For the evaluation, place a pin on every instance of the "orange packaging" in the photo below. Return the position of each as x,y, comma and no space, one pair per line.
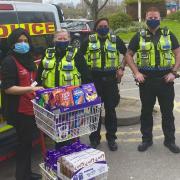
56,96
71,88
66,99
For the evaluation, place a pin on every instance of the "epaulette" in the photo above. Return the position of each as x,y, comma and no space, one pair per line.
165,31
93,38
70,54
50,53
112,38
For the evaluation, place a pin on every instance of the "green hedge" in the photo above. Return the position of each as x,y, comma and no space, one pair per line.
144,1
119,20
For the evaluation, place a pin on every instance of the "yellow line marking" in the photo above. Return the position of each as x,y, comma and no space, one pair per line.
121,139
130,89
137,132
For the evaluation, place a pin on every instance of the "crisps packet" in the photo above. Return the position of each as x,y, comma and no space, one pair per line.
66,99
78,96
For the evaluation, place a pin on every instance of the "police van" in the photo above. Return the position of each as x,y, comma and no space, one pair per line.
40,20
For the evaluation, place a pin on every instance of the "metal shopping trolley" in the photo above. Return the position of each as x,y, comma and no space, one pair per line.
50,175
67,123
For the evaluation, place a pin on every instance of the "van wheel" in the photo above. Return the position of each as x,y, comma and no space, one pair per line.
76,43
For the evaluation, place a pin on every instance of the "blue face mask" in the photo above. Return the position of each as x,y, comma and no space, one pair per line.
103,31
62,44
153,23
21,47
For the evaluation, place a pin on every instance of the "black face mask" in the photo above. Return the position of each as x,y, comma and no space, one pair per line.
153,23
62,44
103,31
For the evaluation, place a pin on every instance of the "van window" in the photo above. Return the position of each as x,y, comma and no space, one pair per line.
43,23
8,18
41,41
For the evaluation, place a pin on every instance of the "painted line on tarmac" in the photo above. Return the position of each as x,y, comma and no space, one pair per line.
177,106
130,89
131,132
132,140
137,132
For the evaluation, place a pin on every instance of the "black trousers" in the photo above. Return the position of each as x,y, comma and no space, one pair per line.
25,128
109,92
152,88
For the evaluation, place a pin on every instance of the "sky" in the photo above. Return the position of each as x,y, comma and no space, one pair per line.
63,1
66,1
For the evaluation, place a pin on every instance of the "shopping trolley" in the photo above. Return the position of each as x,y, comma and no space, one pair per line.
50,175
68,123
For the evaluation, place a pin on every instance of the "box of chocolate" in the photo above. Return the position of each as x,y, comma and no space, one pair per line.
87,164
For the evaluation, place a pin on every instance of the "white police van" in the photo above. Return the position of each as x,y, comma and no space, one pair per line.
40,20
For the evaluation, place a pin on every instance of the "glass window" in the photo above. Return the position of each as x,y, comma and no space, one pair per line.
8,18
40,42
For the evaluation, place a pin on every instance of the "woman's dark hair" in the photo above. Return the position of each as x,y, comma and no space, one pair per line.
14,36
98,21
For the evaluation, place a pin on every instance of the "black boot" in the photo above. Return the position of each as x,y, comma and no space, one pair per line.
94,143
144,146
172,147
112,145
35,176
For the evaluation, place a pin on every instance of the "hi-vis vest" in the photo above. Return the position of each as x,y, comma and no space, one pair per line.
146,56
93,55
68,73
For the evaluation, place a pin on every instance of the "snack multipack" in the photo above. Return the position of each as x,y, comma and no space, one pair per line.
66,96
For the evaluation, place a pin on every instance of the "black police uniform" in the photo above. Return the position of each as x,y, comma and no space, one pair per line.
107,88
155,86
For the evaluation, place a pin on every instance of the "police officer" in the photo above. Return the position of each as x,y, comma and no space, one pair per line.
158,59
102,51
62,65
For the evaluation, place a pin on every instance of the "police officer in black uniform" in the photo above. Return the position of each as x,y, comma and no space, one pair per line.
158,59
102,51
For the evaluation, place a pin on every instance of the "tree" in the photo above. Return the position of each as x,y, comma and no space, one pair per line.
94,7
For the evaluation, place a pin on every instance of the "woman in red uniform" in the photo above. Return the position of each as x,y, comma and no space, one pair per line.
18,74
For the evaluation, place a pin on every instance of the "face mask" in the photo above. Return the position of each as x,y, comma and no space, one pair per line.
153,23
103,31
62,44
21,47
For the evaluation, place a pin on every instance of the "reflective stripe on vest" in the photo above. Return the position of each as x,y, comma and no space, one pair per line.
146,56
68,73
93,55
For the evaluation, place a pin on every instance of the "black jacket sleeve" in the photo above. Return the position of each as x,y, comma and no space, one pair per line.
39,74
83,69
175,43
84,46
9,73
134,43
120,46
